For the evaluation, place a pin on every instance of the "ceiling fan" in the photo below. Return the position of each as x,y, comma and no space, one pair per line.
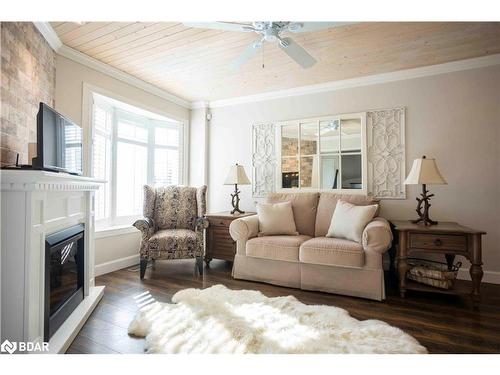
271,32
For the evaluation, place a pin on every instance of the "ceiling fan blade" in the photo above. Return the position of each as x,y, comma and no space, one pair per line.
247,54
305,27
224,26
297,53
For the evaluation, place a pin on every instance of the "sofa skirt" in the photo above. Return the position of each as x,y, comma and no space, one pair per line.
269,271
356,282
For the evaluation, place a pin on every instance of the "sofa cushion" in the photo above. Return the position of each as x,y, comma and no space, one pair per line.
276,219
332,251
349,220
326,206
276,247
304,206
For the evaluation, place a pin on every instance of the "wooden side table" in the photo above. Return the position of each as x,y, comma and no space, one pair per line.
220,245
449,239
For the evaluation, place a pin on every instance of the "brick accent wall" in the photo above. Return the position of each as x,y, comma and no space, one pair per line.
28,77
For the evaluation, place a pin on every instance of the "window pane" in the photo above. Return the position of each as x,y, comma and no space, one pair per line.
350,135
308,139
102,120
330,171
101,170
289,141
166,136
131,176
351,172
166,167
308,172
289,172
131,131
330,135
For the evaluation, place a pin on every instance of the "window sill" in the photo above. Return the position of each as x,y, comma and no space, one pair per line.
116,230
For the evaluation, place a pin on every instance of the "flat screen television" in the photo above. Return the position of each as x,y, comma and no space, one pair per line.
59,142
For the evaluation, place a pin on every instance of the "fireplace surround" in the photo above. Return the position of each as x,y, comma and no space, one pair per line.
40,211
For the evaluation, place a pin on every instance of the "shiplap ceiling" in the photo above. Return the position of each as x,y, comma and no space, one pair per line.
195,63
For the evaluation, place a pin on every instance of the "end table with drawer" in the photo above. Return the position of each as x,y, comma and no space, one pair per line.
220,245
447,238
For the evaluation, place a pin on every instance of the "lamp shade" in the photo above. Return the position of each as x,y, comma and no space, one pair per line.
425,171
237,175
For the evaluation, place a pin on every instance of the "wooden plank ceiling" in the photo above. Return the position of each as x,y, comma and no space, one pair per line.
195,63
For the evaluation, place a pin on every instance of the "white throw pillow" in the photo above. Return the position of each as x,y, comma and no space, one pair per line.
349,221
276,218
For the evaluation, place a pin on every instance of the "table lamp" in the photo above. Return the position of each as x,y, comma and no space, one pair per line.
424,171
236,176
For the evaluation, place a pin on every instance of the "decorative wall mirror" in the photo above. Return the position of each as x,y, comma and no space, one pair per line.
322,153
358,153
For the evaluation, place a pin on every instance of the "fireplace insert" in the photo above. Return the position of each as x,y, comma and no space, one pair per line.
64,269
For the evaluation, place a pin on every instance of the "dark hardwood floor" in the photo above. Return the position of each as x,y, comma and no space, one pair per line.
442,323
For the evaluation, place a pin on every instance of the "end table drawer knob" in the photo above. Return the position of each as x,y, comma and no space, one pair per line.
438,242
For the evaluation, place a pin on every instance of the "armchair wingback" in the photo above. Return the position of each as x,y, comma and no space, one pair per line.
173,224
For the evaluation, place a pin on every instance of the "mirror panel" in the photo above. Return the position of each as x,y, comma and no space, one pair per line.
351,172
351,134
289,156
330,171
330,136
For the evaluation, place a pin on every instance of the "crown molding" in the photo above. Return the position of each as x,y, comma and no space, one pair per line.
49,34
425,71
199,104
120,75
61,49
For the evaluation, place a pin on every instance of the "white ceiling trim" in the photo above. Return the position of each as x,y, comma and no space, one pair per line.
425,71
51,36
95,64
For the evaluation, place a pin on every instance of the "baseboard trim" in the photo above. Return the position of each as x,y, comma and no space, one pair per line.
492,277
115,265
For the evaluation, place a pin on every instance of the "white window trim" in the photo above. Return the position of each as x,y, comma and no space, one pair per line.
364,158
88,136
87,101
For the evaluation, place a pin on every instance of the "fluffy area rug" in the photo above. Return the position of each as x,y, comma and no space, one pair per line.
220,320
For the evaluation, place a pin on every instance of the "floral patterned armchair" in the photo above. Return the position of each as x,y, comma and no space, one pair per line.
173,224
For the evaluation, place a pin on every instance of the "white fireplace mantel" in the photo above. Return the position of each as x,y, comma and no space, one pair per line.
34,205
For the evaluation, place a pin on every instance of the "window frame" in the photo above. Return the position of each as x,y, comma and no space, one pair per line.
113,220
318,120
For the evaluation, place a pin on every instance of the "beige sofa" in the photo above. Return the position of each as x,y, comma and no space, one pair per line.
310,260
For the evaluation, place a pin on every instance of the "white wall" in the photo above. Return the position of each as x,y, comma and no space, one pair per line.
453,117
118,251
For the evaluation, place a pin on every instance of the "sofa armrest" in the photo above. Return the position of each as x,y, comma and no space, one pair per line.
146,226
242,229
377,236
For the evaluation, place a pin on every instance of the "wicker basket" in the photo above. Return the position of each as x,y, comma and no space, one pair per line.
432,273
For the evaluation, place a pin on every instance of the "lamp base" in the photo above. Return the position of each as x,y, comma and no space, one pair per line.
424,221
423,212
235,201
237,211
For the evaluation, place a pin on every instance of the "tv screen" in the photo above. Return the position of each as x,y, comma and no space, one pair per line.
59,142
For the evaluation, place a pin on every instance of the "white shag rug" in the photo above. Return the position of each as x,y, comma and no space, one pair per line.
220,320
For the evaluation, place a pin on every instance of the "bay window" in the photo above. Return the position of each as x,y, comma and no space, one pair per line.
131,147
